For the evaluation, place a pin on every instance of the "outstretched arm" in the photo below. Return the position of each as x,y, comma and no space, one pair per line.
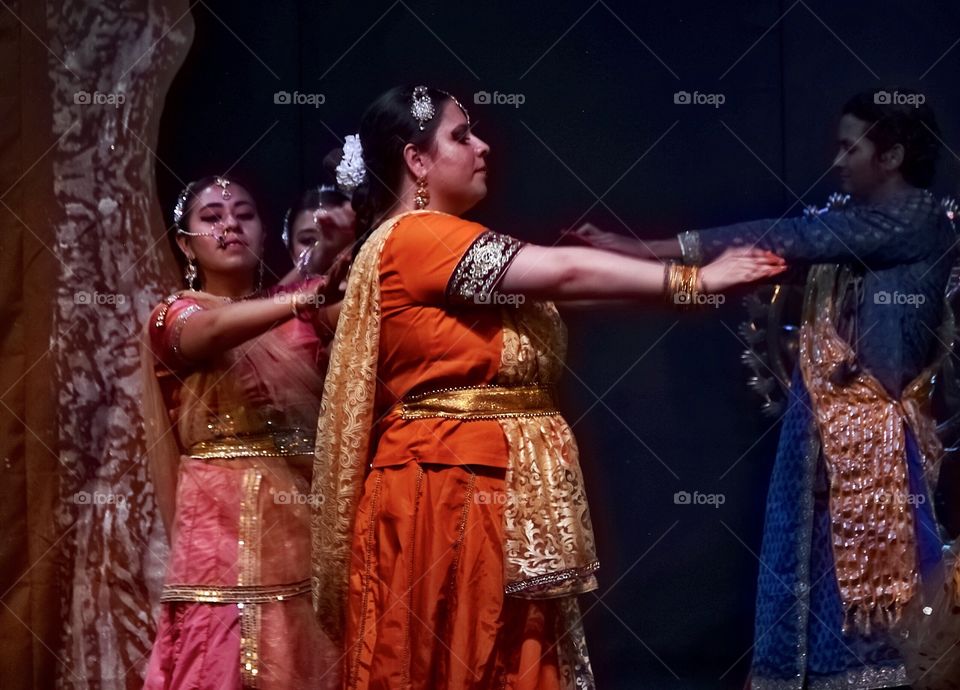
869,235
573,273
208,332
657,250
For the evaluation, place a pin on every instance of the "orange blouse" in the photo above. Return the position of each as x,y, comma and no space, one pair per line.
438,330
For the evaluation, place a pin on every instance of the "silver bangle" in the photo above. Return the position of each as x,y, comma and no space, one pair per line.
690,248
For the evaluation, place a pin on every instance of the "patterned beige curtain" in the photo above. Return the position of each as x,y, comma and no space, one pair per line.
84,257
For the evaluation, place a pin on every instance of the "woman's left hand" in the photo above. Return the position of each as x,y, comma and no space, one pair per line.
740,265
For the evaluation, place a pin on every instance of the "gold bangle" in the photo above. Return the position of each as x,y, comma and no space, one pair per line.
666,279
297,296
293,304
691,286
682,285
674,281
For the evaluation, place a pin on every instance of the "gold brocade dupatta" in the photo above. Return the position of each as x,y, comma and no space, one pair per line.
550,549
162,451
549,546
862,429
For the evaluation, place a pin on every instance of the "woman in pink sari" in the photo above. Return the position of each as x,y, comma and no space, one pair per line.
233,378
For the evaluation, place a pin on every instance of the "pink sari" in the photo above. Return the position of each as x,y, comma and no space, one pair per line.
231,449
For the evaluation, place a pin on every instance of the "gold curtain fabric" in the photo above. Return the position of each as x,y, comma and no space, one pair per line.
84,259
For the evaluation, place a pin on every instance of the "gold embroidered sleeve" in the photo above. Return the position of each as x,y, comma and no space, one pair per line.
168,322
482,267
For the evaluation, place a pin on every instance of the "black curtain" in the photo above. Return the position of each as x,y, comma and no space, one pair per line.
583,105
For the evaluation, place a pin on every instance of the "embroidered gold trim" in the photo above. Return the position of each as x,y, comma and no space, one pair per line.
482,267
579,579
249,557
279,443
248,544
480,402
461,531
162,314
253,594
177,327
249,645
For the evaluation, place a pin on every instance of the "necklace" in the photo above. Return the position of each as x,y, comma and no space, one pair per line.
249,295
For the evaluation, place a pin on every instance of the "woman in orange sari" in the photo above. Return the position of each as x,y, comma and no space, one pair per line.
451,530
232,381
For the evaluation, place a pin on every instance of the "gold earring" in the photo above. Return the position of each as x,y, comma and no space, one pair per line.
422,197
191,273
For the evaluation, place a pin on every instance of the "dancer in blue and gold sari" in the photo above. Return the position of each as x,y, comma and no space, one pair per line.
851,542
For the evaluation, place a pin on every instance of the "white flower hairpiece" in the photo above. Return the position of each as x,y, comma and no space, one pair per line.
351,172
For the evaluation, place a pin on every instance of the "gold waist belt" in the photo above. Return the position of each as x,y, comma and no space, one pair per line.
276,443
251,594
480,402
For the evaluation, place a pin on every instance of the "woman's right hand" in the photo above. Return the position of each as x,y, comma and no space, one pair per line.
740,265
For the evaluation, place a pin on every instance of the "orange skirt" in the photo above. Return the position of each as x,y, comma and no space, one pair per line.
426,607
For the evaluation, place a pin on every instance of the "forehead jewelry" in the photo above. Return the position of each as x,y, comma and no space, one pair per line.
223,183
459,105
422,108
181,206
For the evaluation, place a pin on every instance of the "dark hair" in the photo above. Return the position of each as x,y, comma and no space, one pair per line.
901,116
309,200
386,128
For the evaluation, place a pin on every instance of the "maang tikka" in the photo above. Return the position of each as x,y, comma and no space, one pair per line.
422,108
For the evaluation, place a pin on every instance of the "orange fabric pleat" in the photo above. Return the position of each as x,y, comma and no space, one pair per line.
426,607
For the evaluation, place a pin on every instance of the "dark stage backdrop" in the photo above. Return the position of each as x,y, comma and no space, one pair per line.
579,102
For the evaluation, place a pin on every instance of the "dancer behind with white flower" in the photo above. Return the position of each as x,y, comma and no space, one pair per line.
317,228
320,224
